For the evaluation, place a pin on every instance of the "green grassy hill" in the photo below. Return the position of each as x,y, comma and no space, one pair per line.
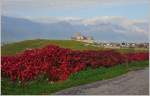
13,48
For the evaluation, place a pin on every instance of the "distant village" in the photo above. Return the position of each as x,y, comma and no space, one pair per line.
90,40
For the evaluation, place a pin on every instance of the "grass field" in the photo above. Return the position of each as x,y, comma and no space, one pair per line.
13,48
83,77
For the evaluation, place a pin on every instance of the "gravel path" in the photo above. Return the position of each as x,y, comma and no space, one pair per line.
132,83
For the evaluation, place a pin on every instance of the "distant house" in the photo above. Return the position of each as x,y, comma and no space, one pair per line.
79,37
124,44
111,45
132,45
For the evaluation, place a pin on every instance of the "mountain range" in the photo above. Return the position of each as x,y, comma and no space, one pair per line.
100,28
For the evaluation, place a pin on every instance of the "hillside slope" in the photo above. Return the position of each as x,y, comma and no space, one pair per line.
13,48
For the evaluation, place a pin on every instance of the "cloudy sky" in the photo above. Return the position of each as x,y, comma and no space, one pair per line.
135,9
131,15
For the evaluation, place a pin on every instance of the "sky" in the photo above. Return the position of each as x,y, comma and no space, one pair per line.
133,9
126,19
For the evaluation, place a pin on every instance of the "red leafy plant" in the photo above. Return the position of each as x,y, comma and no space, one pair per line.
59,63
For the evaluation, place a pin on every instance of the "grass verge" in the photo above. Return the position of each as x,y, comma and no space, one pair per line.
83,77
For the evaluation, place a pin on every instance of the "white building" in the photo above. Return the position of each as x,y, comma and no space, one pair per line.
79,37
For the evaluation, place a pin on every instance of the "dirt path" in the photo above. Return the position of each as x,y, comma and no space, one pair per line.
133,83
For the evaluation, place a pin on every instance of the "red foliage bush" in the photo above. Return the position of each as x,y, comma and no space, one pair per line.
58,63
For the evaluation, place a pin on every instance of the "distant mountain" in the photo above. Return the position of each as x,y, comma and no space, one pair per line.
16,29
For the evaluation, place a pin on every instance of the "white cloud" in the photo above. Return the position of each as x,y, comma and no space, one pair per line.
126,26
103,19
50,19
121,25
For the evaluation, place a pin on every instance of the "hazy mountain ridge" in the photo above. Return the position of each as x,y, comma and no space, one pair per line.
105,29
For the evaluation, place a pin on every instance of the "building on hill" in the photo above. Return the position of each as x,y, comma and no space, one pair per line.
79,37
